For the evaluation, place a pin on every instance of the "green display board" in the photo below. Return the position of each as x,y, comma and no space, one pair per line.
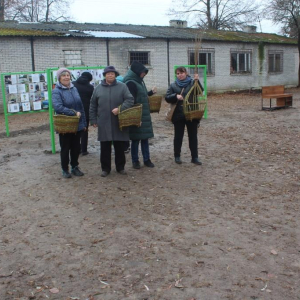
201,70
23,93
30,92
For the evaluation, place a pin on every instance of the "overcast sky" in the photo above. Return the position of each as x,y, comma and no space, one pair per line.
143,12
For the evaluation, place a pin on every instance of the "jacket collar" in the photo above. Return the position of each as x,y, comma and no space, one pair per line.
103,82
59,85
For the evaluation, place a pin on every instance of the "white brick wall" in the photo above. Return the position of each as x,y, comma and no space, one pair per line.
15,55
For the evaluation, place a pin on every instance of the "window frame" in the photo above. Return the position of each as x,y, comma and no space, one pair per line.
69,57
247,61
141,61
274,53
210,67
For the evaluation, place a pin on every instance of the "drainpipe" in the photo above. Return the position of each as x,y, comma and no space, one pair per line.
32,54
107,51
168,60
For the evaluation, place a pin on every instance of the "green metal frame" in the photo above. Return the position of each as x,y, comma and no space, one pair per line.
204,82
49,73
6,113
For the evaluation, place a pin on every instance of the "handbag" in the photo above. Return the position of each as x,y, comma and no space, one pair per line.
170,112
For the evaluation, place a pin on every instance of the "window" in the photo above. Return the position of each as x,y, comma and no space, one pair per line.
240,61
72,58
140,56
275,61
206,57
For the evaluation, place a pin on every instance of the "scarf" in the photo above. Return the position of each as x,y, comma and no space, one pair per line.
184,83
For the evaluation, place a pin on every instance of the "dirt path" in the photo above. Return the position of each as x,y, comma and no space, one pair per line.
229,229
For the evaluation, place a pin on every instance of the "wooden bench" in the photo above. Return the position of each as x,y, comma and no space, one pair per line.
283,100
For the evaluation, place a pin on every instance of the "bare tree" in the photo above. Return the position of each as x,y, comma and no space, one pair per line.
1,10
287,13
216,14
36,10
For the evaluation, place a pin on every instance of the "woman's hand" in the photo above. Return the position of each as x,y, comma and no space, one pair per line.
95,125
179,97
196,76
115,111
78,114
154,90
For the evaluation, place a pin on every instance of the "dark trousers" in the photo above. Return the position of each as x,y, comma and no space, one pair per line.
105,155
192,129
127,145
135,150
70,149
84,140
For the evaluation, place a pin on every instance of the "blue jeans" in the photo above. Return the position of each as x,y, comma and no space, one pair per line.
135,150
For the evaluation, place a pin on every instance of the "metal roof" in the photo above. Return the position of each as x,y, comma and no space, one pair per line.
9,28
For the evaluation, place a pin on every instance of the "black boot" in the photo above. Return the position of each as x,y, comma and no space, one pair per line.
196,161
178,160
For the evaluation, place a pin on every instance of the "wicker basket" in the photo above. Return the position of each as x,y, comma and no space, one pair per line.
193,106
195,114
155,103
65,124
131,116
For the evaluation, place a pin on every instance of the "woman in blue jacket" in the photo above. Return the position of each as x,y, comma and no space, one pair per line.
66,100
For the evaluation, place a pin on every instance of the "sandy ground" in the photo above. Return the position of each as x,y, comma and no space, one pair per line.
229,229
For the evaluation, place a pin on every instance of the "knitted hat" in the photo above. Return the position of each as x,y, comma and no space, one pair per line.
60,71
87,75
110,69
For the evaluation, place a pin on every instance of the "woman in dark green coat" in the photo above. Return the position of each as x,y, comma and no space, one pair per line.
134,81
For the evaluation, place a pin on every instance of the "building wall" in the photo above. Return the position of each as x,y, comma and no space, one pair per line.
49,52
15,56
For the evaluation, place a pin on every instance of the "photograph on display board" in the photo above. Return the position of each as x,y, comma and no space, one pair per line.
38,96
37,105
14,79
34,78
31,97
14,98
32,87
13,107
25,106
12,89
23,79
54,77
97,76
24,97
43,77
75,74
37,87
22,88
7,79
45,94
43,86
45,104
